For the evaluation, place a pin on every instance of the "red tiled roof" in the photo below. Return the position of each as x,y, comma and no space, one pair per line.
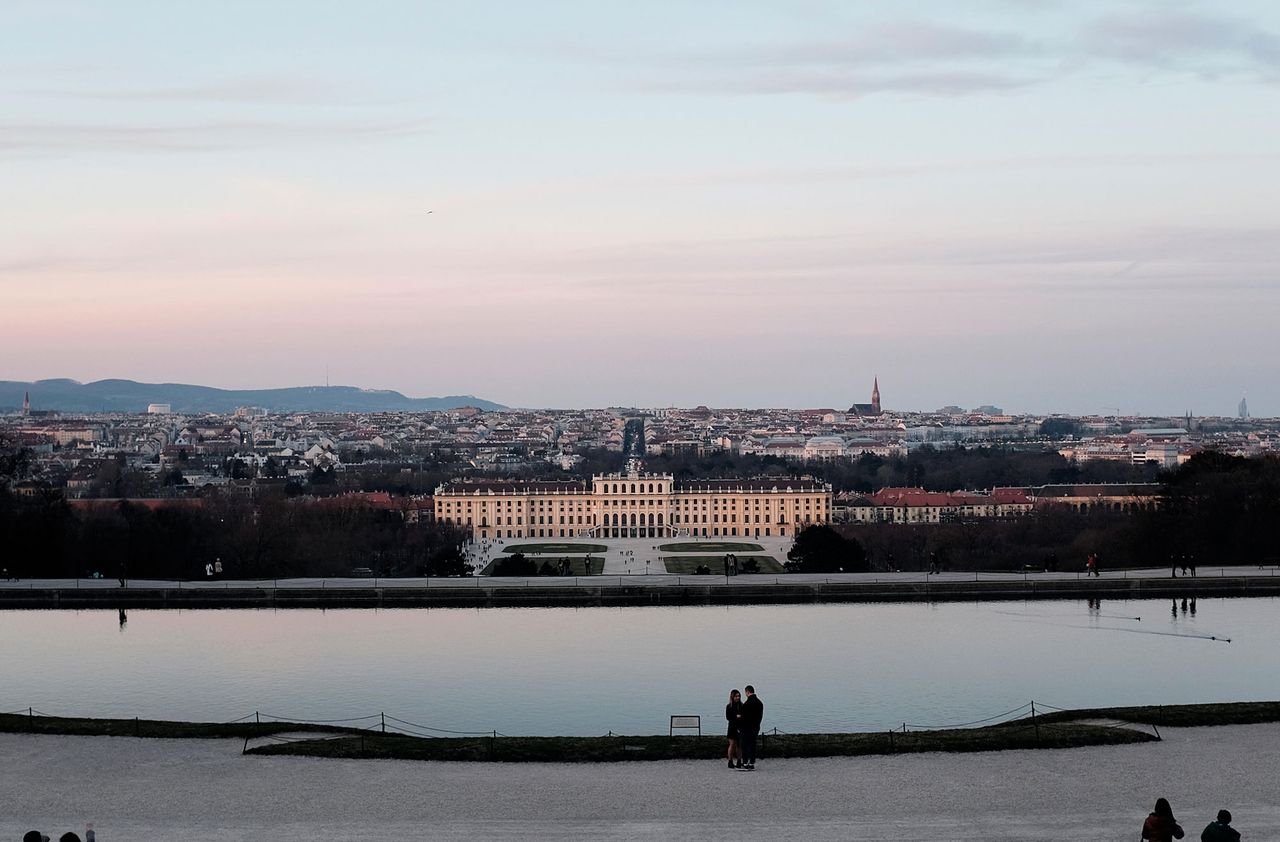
151,503
728,486
501,487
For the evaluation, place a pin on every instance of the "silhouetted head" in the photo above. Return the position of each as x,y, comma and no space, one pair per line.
751,691
34,836
69,837
1224,817
735,696
1163,808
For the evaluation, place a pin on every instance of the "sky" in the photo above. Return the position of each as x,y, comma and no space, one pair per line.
1047,206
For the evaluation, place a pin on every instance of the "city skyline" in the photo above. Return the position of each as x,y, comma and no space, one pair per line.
244,397
1049,207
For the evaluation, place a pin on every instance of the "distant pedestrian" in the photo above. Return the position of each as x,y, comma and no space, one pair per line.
733,714
208,570
1220,830
1160,825
1091,565
749,729
726,565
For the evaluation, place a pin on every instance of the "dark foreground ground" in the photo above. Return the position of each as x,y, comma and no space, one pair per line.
140,789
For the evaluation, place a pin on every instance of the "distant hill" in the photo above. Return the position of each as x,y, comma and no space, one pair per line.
130,396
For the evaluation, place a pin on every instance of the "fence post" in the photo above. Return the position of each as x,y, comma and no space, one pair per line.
257,717
137,727
31,718
1034,721
384,722
891,741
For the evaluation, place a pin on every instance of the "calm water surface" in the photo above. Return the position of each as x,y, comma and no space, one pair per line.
589,671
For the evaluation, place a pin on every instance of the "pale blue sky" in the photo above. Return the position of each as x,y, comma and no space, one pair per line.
1044,205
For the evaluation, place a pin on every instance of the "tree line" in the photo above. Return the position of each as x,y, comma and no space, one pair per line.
933,468
1214,510
45,537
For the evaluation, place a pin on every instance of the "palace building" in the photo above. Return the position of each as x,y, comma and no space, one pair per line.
634,506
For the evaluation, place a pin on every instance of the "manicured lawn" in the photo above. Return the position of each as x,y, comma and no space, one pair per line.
685,565
555,549
710,547
577,563
1057,730
1020,735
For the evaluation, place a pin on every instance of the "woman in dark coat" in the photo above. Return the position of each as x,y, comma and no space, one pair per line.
733,713
1160,826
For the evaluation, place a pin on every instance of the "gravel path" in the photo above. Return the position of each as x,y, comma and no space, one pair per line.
166,789
618,565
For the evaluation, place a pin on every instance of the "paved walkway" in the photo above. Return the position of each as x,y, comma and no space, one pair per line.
633,573
169,789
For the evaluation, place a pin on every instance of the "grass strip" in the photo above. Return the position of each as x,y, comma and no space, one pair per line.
710,547
554,549
614,749
687,565
577,566
1178,716
15,723
1059,729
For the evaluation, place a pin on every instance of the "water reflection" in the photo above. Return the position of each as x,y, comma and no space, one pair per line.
589,671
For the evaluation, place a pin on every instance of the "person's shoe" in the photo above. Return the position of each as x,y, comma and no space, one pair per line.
730,764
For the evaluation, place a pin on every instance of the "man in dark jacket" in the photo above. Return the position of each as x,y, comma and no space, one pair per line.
1221,830
749,729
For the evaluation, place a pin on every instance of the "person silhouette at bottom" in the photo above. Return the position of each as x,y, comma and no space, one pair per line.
1161,826
1220,830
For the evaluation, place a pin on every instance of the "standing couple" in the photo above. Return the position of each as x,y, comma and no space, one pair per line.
744,726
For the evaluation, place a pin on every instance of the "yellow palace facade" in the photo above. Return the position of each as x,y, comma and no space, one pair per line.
634,506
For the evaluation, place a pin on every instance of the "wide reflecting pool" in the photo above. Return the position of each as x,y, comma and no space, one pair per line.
589,671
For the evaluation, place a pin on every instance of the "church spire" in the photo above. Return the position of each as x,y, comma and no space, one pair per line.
26,403
875,396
